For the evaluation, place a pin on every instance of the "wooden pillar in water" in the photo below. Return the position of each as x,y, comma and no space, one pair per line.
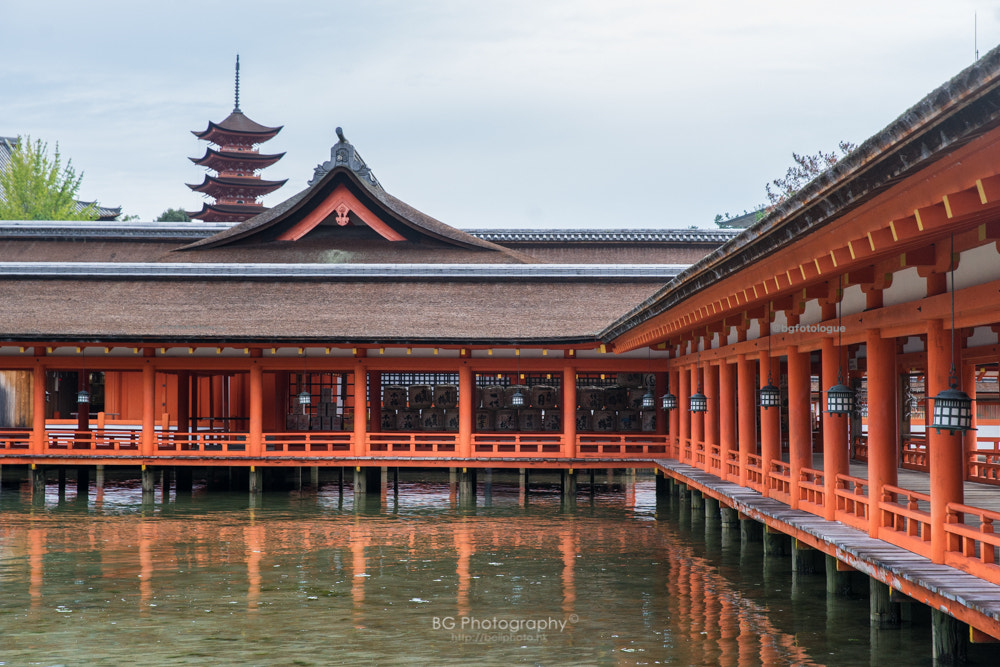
883,611
36,475
950,639
568,487
467,487
256,480
838,578
82,482
751,530
148,481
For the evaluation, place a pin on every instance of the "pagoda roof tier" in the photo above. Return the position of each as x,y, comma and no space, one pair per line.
237,128
226,212
232,186
233,160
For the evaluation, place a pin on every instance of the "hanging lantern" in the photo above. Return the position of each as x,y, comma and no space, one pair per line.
648,400
304,399
699,402
668,402
839,399
952,410
770,396
517,400
83,396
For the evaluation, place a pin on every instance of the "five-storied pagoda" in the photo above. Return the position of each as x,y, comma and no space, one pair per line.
237,185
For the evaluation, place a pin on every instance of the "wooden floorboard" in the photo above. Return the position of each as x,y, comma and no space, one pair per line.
951,583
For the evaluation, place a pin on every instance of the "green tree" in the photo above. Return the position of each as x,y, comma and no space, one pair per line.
37,187
805,169
173,215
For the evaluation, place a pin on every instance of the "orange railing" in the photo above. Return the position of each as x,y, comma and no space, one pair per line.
906,519
638,445
984,463
14,439
853,507
969,548
779,480
755,473
412,444
915,454
812,497
101,440
715,460
733,465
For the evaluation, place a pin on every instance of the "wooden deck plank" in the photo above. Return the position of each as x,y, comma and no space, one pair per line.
948,582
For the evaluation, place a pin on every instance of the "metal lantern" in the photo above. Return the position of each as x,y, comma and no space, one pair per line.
839,399
699,402
83,396
952,410
305,399
770,396
517,400
648,400
668,401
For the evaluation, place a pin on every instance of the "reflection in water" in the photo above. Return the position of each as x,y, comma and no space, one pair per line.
310,579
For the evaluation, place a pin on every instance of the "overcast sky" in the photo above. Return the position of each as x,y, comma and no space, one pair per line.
516,114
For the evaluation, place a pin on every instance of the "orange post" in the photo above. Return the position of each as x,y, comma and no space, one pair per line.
881,422
38,408
256,435
747,416
569,411
675,414
466,409
799,428
659,390
697,418
835,431
944,449
360,447
684,392
148,440
969,387
712,416
727,413
770,423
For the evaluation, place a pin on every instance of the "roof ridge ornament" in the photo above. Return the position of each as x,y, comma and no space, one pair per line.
343,154
236,108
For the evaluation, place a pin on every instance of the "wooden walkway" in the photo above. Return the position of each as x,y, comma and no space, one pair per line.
964,596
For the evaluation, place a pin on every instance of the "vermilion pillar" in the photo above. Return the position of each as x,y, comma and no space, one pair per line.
183,400
38,408
882,436
770,423
360,410
944,449
466,409
256,435
697,418
148,408
675,414
569,411
835,431
747,405
727,412
799,427
684,392
712,416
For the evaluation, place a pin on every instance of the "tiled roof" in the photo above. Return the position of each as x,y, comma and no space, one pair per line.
502,236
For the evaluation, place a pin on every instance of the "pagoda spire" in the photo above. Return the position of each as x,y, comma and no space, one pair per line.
236,186
236,108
